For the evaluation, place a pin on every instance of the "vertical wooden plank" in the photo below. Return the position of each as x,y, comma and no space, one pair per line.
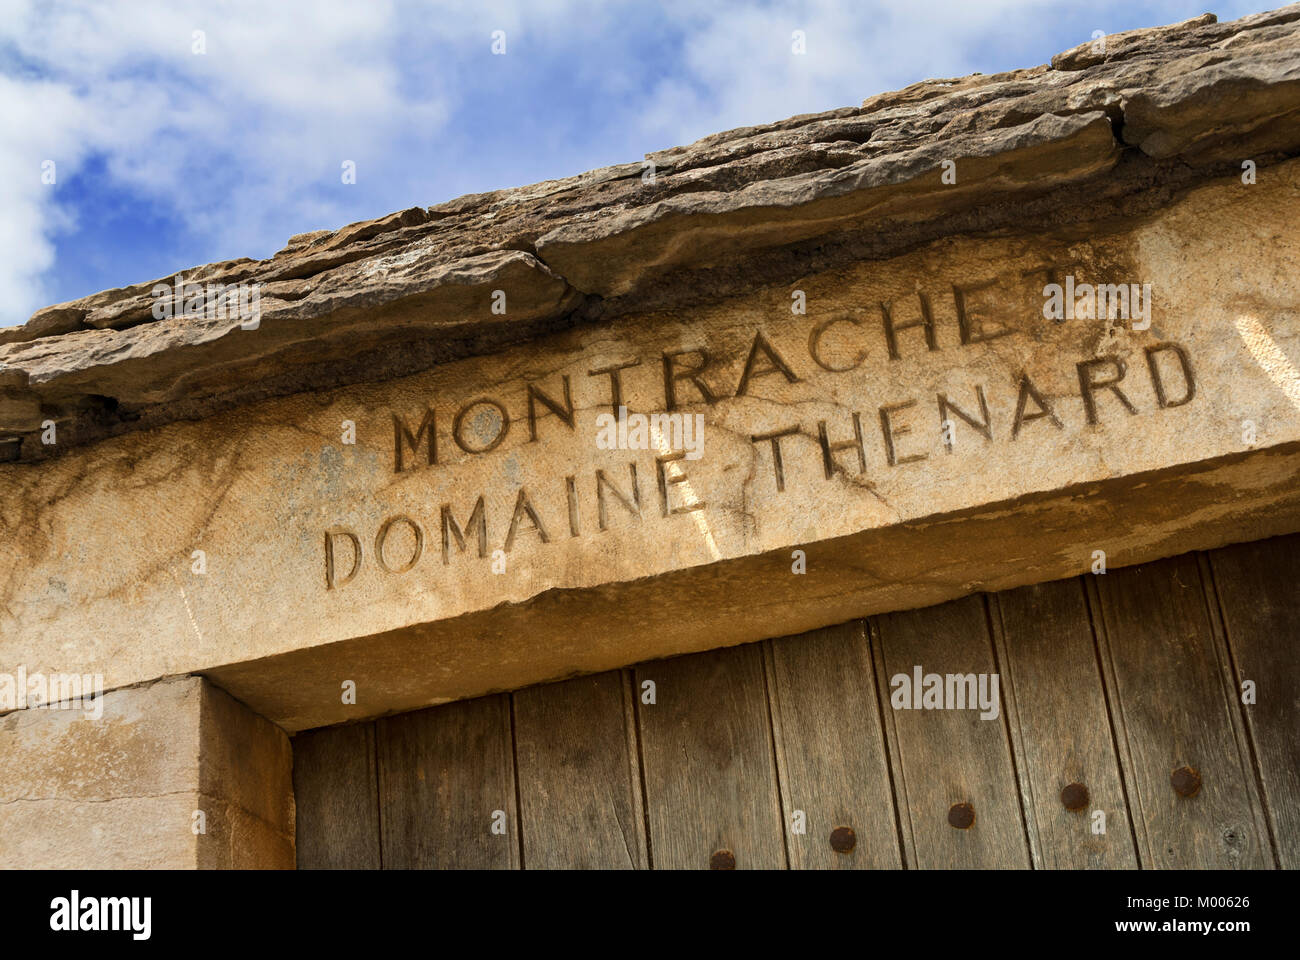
902,809
443,773
1258,588
710,777
1053,688
336,792
579,789
997,636
831,751
1169,688
951,757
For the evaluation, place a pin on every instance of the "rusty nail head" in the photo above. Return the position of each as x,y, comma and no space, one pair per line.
722,860
961,815
1074,796
1186,781
843,839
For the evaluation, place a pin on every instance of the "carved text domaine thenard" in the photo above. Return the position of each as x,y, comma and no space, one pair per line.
861,441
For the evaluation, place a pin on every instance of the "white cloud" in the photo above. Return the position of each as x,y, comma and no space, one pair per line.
283,94
741,68
45,115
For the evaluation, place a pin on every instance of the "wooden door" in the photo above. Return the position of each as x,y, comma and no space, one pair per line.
1145,718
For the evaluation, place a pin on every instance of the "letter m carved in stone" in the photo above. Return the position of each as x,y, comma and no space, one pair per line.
401,432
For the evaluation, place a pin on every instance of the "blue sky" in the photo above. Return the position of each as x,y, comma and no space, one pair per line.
165,158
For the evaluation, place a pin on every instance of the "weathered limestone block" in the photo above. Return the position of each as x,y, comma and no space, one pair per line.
920,431
119,785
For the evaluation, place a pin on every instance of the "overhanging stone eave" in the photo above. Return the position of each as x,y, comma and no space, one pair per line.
147,385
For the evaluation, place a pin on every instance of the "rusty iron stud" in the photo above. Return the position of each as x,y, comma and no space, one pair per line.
843,839
722,860
961,816
1074,797
1186,781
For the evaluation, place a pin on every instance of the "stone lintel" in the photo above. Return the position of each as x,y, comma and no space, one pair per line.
564,633
915,428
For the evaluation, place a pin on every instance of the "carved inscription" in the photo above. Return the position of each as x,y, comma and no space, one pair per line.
904,432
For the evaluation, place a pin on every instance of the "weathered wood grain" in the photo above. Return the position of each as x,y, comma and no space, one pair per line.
830,749
950,757
1175,713
1053,688
710,778
579,782
1112,682
336,792
443,774
1258,586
